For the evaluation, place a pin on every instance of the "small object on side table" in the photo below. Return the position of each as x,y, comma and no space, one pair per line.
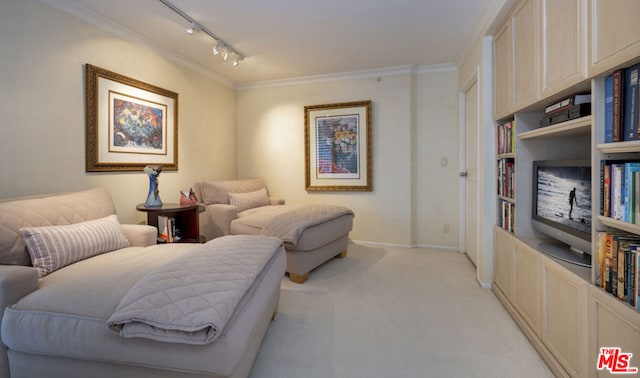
153,197
185,218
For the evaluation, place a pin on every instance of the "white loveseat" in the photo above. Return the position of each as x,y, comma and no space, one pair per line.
56,325
312,234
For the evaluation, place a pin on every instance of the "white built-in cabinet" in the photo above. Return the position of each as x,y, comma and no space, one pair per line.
614,33
539,51
544,50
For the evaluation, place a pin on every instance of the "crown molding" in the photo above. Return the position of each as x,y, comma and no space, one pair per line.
351,75
94,18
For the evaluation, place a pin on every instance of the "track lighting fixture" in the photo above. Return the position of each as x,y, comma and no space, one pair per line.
221,47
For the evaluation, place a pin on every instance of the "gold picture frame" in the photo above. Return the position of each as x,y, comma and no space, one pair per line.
129,123
338,147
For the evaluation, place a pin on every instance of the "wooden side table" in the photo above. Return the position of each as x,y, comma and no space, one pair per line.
186,218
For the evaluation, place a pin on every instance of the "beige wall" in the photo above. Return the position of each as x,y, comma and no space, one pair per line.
223,133
413,197
437,139
42,148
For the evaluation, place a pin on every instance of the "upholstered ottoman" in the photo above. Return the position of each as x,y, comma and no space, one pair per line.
312,234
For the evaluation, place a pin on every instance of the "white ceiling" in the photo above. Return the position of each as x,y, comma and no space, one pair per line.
284,39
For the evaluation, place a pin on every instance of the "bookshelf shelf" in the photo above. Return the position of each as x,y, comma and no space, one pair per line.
510,155
507,199
578,126
620,225
619,147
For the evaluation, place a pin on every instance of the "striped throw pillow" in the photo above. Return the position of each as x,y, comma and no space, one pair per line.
245,201
54,247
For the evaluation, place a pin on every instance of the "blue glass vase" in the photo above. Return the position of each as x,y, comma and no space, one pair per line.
153,198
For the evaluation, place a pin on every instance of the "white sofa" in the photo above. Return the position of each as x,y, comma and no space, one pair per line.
56,325
243,207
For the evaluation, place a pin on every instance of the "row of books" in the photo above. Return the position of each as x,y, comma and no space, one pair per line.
574,106
622,108
506,137
167,232
620,196
506,177
617,265
507,215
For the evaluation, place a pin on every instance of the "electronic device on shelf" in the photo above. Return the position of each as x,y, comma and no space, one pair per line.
562,208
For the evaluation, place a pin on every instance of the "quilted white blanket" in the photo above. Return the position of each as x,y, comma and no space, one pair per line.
289,226
191,299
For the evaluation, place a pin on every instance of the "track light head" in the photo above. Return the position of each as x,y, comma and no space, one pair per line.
225,53
217,48
194,28
237,61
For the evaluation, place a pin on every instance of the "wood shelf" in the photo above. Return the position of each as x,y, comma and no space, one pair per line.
620,147
510,155
625,226
578,126
507,199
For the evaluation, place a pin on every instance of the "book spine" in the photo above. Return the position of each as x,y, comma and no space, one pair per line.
637,282
600,241
560,104
608,109
631,103
607,190
618,102
621,271
613,267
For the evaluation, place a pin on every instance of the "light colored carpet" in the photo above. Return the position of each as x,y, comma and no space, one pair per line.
394,312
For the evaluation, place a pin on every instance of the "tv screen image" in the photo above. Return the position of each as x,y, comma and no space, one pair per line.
562,208
564,196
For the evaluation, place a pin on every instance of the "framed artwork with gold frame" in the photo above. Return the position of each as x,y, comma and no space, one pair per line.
338,147
129,123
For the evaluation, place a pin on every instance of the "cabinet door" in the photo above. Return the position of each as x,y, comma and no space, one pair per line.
504,262
528,284
525,55
563,44
614,33
502,73
612,323
564,317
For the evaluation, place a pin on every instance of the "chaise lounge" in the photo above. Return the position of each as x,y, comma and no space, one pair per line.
312,234
112,312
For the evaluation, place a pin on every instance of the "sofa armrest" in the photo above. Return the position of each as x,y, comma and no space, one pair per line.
140,235
276,201
16,281
215,221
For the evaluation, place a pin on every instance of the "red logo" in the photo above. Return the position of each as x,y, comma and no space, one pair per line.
615,361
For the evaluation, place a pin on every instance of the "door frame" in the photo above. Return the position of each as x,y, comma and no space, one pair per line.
462,157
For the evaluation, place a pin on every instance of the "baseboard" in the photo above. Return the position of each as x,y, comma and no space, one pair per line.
397,245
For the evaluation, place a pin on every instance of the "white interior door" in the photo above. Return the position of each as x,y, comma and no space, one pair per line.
469,173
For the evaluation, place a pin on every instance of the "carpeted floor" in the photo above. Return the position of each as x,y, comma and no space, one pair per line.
394,312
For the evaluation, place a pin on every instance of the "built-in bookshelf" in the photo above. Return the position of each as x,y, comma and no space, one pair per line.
616,268
505,141
566,310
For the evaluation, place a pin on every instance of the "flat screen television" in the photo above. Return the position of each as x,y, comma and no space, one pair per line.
562,208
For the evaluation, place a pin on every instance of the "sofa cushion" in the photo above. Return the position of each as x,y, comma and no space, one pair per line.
49,210
250,200
218,191
54,247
